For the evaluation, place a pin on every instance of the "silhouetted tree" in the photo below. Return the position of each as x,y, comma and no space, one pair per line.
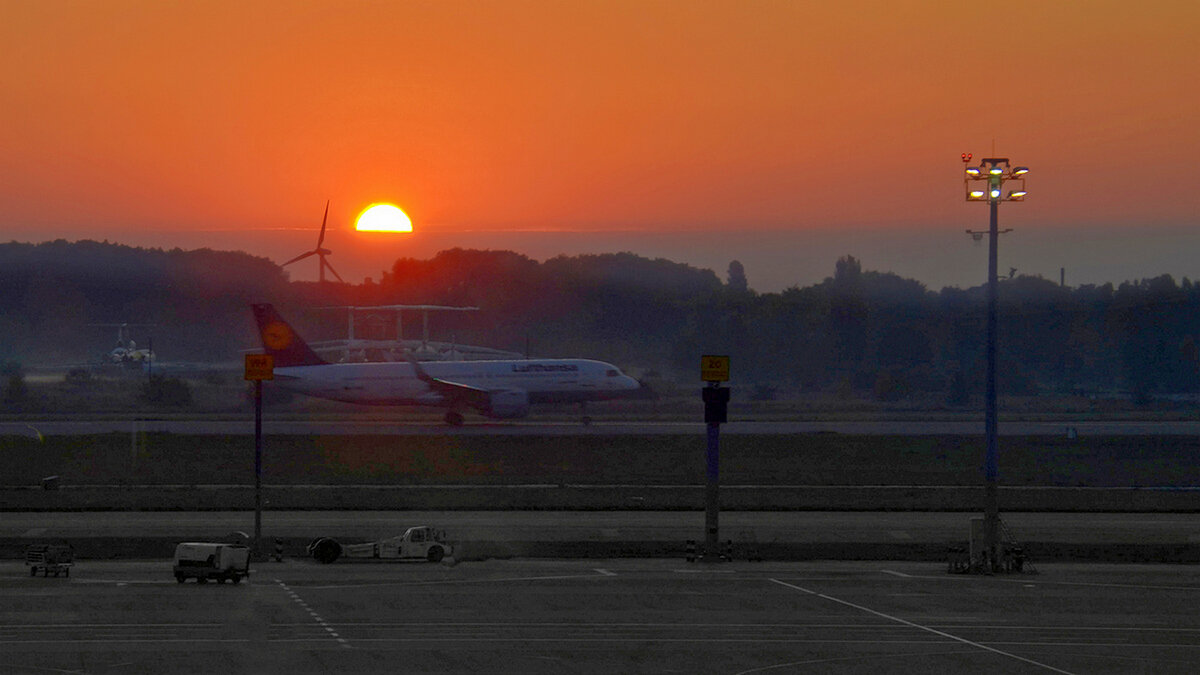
737,277
848,313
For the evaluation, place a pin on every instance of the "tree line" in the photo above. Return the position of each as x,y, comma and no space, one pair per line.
858,331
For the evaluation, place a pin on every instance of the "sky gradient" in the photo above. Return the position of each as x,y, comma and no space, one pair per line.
165,124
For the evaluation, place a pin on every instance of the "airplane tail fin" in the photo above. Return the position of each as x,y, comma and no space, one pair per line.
280,340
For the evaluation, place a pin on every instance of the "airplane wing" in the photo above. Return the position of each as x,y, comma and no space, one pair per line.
475,397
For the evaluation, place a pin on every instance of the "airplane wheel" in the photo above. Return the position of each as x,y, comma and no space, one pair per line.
180,578
202,580
435,554
454,419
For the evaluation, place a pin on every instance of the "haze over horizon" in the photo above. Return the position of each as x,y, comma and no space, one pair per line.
782,135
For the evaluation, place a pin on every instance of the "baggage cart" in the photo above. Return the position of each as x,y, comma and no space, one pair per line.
50,558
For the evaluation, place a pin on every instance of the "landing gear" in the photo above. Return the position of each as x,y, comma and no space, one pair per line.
454,419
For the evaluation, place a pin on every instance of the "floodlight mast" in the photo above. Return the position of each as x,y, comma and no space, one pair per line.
995,172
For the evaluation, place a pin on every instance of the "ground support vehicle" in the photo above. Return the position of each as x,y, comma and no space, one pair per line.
205,560
417,543
50,558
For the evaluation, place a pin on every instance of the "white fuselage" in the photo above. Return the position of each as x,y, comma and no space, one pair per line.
398,383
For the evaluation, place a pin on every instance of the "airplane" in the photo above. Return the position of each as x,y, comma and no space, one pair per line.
126,353
501,389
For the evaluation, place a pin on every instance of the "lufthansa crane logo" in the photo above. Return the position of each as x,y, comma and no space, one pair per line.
276,336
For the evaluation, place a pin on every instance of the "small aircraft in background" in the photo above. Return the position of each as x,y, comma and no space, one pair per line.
498,389
126,352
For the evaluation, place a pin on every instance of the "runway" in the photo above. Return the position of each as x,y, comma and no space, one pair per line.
374,426
602,616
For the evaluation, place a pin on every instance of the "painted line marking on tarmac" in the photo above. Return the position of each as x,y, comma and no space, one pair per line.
766,641
1099,585
1043,582
127,641
316,617
843,658
605,572
373,584
68,626
924,628
897,574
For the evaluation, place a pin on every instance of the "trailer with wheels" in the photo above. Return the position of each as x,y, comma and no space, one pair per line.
205,560
50,558
417,543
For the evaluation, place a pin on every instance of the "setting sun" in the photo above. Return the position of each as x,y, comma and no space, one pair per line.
383,218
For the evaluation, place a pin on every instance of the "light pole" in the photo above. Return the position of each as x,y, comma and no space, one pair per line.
994,172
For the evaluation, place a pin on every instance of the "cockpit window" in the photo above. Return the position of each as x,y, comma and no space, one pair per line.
612,372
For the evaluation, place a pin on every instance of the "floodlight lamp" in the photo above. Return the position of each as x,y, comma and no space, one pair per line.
1017,195
976,194
995,193
1020,171
996,170
974,171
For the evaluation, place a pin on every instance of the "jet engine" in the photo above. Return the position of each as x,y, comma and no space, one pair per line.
508,404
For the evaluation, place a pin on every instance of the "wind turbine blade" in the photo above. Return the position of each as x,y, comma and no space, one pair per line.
326,264
299,257
322,237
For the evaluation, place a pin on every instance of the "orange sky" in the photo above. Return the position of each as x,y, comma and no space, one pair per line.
641,115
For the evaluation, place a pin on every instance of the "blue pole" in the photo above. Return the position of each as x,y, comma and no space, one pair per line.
257,468
712,506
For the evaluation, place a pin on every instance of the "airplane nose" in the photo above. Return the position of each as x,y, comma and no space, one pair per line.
643,390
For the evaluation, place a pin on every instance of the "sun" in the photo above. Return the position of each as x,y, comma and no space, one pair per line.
383,218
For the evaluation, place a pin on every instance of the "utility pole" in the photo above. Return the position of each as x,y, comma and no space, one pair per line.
995,171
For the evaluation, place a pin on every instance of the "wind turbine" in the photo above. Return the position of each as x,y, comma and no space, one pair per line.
319,252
